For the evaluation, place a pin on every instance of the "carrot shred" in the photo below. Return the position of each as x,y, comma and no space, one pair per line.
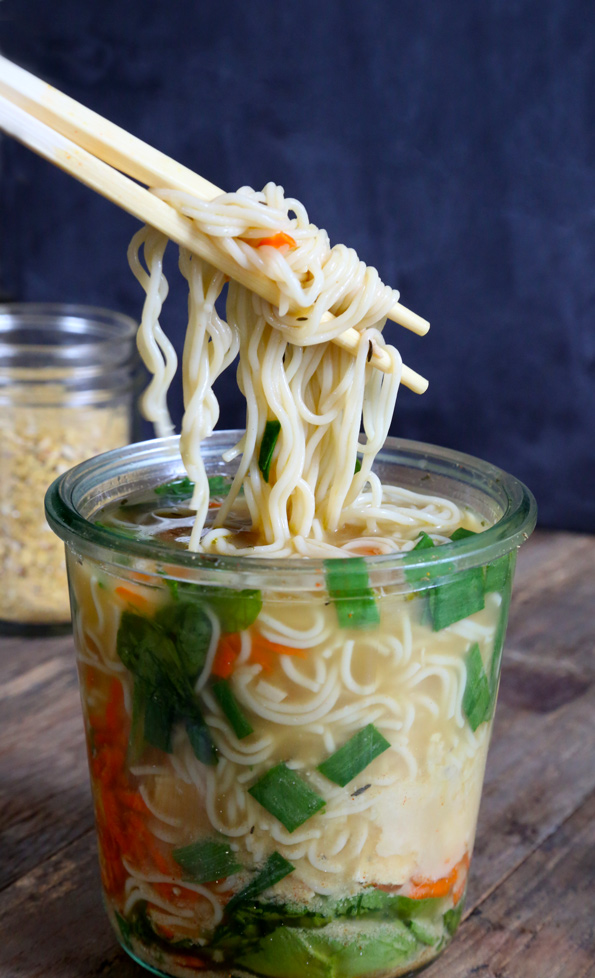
227,652
264,653
277,240
134,598
422,888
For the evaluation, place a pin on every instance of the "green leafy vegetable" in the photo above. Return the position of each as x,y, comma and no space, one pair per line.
359,751
236,610
178,489
219,485
477,699
207,860
358,466
349,588
201,741
163,691
267,447
231,708
286,796
461,533
187,624
275,869
292,954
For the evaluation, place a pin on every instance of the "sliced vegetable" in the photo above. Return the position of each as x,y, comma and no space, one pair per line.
457,598
267,447
178,489
497,574
236,610
166,692
415,574
461,533
225,657
277,240
286,796
206,860
349,588
275,869
477,699
354,756
239,723
187,624
358,466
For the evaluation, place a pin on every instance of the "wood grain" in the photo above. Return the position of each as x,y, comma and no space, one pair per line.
532,891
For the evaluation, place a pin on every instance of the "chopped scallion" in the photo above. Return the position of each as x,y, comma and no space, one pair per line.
178,489
286,796
462,533
349,589
477,699
351,759
457,598
231,708
267,447
275,869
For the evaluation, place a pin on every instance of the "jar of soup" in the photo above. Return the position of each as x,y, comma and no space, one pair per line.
68,381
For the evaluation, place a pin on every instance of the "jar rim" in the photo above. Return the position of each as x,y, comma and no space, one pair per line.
88,484
33,334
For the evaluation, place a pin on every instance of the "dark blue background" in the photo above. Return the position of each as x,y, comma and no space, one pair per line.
451,143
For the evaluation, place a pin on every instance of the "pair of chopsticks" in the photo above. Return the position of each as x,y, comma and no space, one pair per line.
105,157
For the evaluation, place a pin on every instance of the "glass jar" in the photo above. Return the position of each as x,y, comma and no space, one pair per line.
287,756
68,380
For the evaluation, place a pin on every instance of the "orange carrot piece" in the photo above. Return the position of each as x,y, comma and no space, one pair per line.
276,241
424,888
227,652
264,653
134,598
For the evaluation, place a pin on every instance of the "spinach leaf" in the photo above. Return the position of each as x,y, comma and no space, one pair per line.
236,610
163,692
187,624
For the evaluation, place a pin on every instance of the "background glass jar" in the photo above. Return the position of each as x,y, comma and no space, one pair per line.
68,381
287,756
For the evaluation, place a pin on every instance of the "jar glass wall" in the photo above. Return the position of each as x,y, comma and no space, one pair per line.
287,756
68,382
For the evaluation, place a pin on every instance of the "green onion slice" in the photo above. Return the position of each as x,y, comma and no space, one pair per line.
286,796
267,447
275,869
456,599
240,725
351,759
206,860
477,698
179,488
349,588
461,533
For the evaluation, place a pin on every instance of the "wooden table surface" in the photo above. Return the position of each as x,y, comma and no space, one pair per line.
531,905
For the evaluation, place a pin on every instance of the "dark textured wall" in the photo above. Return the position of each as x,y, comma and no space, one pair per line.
451,143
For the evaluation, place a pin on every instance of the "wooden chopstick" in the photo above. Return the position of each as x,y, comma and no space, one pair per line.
23,122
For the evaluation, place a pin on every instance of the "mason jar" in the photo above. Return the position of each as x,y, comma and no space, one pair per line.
286,755
68,381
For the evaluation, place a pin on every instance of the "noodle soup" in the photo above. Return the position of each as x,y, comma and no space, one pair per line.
287,756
